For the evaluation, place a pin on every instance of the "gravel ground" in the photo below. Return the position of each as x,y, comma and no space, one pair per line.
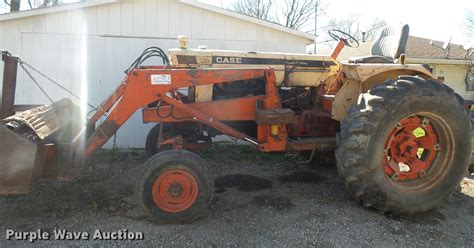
261,200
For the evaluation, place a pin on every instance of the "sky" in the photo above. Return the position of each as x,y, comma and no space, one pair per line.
435,19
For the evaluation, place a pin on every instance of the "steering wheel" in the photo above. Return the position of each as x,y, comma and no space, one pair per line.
348,39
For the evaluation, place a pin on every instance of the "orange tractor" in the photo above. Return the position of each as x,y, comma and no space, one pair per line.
399,135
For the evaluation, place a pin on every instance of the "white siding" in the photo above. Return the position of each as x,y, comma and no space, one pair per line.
112,36
2,45
454,76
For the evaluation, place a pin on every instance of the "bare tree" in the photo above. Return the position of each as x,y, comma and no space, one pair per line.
290,13
256,8
297,13
347,25
14,5
351,26
47,3
373,30
469,23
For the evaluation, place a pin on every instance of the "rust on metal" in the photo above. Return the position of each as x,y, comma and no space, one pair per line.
33,145
46,164
42,120
410,148
17,156
310,144
24,107
274,116
10,70
100,136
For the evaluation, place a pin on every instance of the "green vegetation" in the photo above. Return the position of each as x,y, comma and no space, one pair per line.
225,152
116,155
233,152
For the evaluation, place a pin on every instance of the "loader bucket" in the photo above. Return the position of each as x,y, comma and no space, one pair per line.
23,138
17,160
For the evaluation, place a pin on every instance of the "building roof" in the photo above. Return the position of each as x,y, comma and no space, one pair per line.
53,9
90,3
417,48
421,48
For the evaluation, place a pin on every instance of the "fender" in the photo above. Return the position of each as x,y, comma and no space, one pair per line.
362,77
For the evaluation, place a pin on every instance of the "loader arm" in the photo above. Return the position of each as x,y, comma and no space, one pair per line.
59,147
147,85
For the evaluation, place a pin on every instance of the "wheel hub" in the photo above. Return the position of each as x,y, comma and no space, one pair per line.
175,191
410,149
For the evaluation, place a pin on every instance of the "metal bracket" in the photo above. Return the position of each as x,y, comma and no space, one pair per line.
10,70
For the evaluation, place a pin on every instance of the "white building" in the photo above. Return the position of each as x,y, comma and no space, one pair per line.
88,45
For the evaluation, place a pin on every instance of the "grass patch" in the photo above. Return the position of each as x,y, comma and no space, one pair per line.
116,155
233,152
224,152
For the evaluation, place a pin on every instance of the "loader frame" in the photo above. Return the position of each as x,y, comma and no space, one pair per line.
151,84
139,90
8,106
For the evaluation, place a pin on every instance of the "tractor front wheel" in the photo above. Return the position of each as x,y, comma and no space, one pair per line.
405,147
175,187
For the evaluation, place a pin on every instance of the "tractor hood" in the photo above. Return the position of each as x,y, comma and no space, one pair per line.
291,69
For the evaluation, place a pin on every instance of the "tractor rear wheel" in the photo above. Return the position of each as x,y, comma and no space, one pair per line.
405,147
175,187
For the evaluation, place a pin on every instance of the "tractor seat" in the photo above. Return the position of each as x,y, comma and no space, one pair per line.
389,45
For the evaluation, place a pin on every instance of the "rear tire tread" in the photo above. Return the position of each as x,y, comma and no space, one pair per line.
356,135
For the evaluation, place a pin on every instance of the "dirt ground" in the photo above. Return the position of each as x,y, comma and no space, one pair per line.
261,200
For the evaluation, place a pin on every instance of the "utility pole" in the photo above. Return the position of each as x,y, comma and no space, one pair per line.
315,25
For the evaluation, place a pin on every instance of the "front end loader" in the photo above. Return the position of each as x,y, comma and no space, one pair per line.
36,140
398,134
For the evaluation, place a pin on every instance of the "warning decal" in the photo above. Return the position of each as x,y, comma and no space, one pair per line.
160,79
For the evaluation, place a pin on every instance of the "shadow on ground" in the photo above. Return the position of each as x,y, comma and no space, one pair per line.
261,200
